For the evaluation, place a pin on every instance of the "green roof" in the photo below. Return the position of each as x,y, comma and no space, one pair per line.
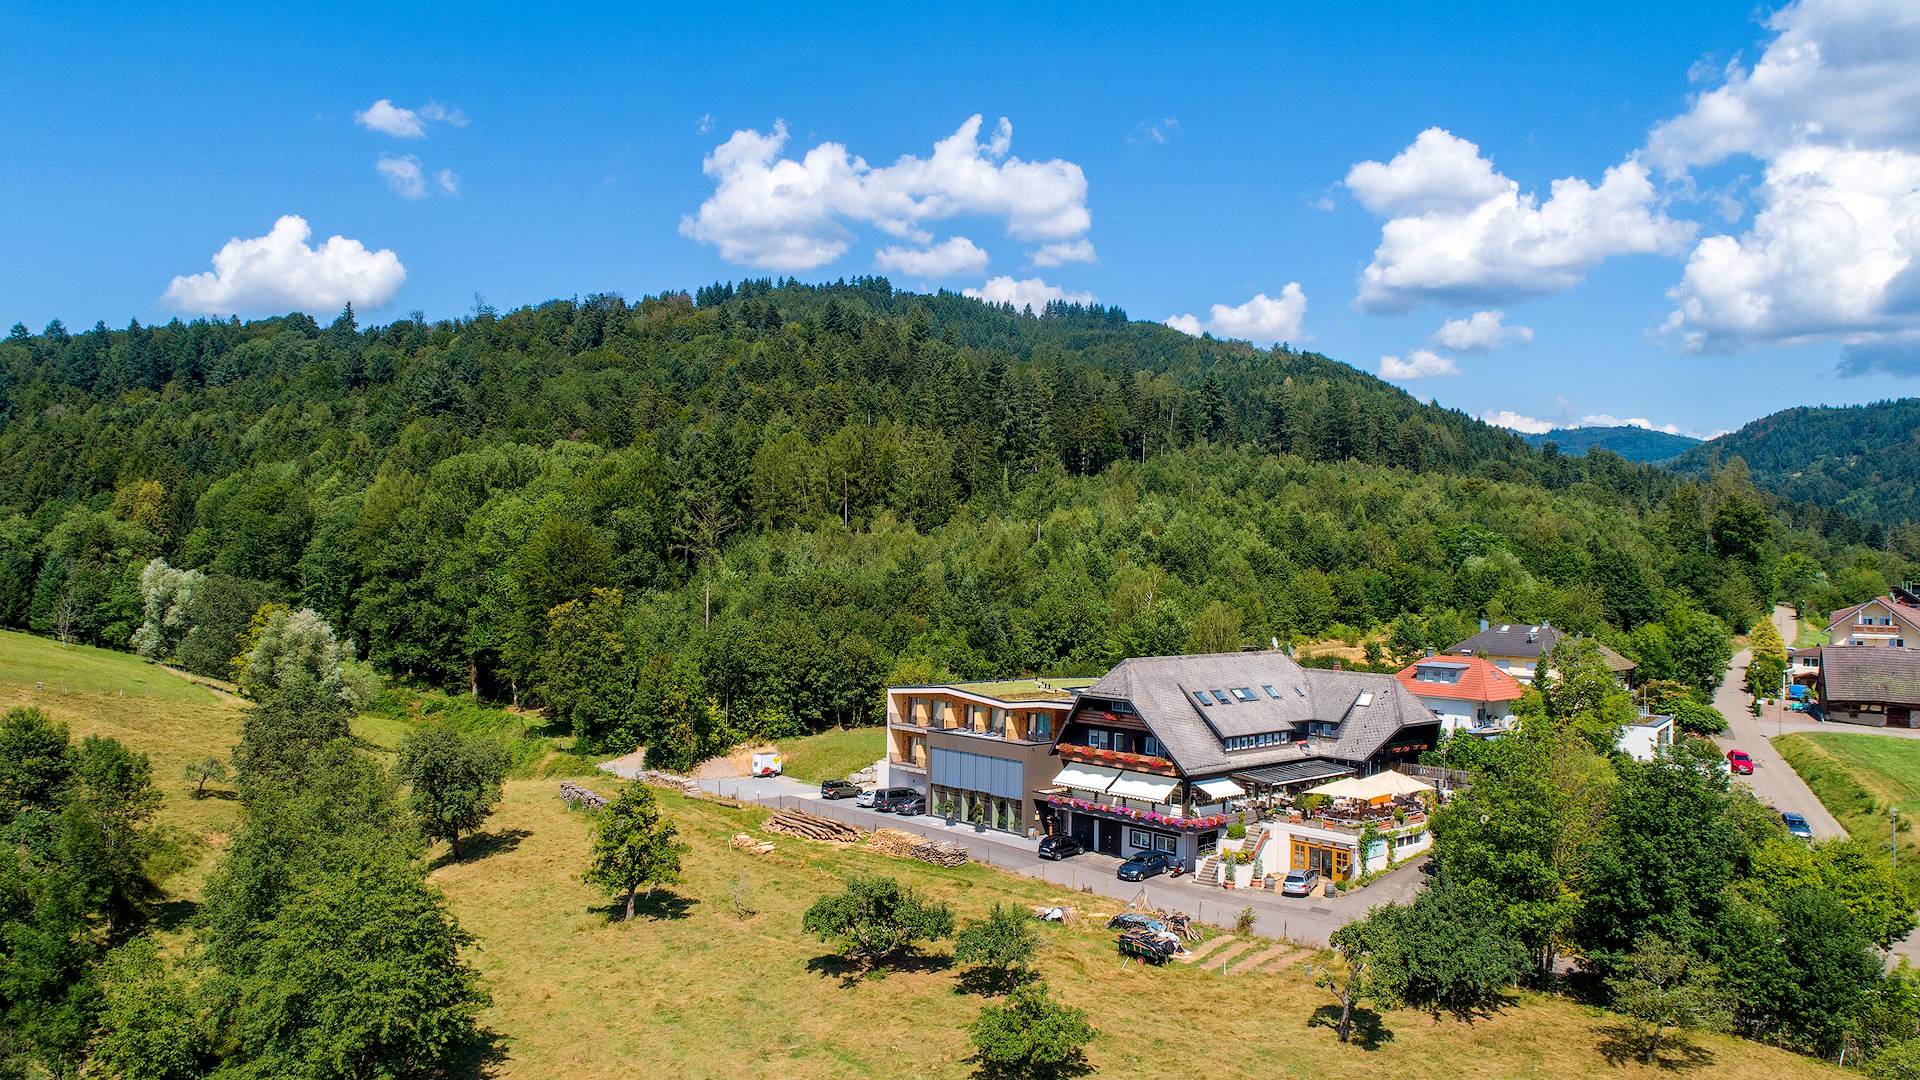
1026,689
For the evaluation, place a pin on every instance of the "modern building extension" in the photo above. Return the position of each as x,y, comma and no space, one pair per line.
978,749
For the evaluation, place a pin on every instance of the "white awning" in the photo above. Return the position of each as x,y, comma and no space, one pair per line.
1219,788
1376,788
1138,785
1085,777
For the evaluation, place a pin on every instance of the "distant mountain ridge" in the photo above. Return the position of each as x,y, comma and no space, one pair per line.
1863,460
1633,443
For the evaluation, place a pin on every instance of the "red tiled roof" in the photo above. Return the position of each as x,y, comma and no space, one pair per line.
1905,611
1481,681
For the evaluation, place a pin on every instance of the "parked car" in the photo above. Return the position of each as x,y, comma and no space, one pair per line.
1145,865
1797,825
1300,883
1059,847
884,798
866,797
839,789
1739,762
912,806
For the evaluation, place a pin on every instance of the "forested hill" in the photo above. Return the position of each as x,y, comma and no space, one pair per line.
1633,443
1863,460
775,497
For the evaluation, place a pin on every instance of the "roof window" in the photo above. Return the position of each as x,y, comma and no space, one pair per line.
1245,693
1271,692
1364,700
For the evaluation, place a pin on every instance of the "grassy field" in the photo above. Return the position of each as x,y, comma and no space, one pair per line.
1860,778
831,755
118,695
531,752
1810,634
718,979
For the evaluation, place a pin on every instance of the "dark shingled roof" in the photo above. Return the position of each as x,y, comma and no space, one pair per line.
1161,689
1870,674
1524,640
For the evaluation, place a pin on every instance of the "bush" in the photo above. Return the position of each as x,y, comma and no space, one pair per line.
1237,831
1031,1037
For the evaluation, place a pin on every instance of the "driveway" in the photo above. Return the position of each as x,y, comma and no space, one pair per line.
1308,921
1773,780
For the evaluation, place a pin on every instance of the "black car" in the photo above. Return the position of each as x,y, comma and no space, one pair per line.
911,806
1145,865
839,789
1060,847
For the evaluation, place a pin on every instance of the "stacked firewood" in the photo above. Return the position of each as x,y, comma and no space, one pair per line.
812,827
742,842
906,845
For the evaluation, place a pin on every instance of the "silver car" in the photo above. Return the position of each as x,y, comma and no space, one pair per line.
1300,883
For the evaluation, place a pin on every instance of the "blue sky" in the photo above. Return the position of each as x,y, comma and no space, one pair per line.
1215,154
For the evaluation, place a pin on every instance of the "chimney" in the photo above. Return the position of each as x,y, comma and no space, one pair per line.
1429,652
1483,626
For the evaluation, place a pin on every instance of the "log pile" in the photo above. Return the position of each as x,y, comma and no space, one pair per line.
811,827
906,845
577,796
742,842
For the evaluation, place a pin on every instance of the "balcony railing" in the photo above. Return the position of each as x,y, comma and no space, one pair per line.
1143,817
1118,759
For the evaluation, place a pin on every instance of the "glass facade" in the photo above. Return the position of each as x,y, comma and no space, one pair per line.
997,811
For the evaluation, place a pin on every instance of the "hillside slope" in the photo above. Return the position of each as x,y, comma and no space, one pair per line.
1863,460
1633,443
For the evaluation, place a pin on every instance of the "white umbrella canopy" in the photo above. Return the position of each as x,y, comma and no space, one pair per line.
1379,786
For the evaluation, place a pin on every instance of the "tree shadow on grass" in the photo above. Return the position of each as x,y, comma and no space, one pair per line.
171,915
852,971
1370,1031
1077,1065
481,1058
482,845
989,981
1467,1014
1625,1043
216,793
663,904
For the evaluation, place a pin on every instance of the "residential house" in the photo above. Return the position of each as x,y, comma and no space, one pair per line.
1519,649
1890,620
982,746
1803,666
1870,684
1467,693
1157,754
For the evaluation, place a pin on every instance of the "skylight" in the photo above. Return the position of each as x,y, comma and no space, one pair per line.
1202,695
1244,693
1365,699
1271,692
1221,697
1301,690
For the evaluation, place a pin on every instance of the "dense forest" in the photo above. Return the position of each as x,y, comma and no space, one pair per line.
747,509
1863,460
1633,443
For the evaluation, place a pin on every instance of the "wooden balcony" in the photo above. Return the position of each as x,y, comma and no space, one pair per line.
1093,755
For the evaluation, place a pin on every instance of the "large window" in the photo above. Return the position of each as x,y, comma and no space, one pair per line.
1042,725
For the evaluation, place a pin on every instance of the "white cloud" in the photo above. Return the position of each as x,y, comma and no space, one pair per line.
1462,232
280,272
1025,293
403,175
705,124
1067,251
952,258
1482,331
1844,72
1834,254
782,214
1604,420
1832,109
1419,364
1263,319
1158,132
448,180
1526,425
1438,172
404,123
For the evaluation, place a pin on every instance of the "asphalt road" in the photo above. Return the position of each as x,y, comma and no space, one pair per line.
1773,780
1305,920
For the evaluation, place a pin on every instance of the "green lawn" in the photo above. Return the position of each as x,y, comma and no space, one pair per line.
831,755
1860,778
531,751
1809,634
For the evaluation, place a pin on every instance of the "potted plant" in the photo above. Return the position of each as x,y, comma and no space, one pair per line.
979,818
952,812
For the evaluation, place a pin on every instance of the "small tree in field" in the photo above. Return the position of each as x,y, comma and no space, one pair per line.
876,918
633,846
455,779
1354,975
1663,986
1003,943
1031,1037
199,772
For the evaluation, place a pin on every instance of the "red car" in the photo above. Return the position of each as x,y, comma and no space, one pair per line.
1739,762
